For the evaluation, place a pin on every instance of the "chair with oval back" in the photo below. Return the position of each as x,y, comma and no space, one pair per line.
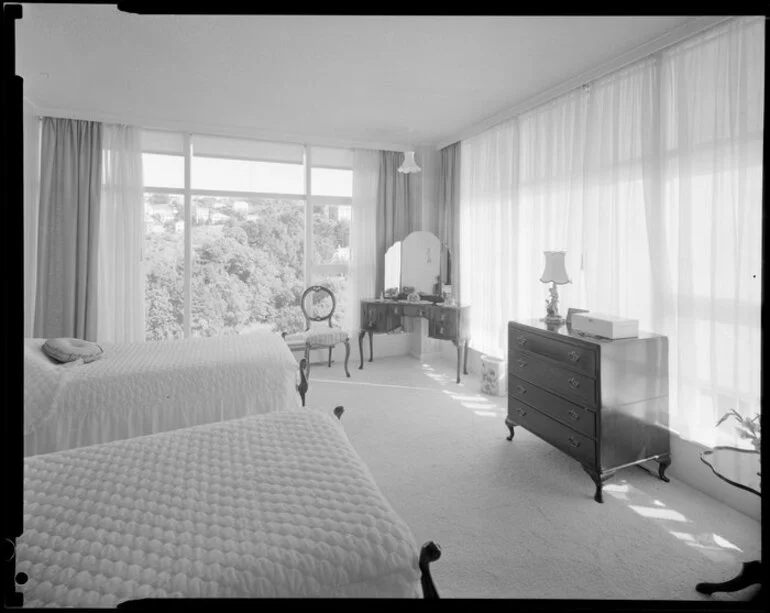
319,336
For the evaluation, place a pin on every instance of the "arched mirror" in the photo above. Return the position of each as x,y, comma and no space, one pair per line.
420,262
393,270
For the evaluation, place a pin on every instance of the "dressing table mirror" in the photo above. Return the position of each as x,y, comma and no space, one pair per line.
417,269
421,264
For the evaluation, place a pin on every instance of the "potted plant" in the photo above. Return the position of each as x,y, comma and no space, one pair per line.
748,427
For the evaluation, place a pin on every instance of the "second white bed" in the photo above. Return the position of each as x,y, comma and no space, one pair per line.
144,388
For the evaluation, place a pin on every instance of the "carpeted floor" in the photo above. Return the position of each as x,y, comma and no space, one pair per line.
517,519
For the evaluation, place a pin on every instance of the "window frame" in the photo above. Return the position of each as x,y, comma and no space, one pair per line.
311,268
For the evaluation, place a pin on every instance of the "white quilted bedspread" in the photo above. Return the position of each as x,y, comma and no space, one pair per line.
143,388
277,505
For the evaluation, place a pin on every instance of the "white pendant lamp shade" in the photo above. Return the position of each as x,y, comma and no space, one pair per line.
409,164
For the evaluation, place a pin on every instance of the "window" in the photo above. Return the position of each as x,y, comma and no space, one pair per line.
331,178
251,218
247,265
164,265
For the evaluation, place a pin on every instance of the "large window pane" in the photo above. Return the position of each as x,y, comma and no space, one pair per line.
164,265
331,234
247,176
247,265
332,182
161,170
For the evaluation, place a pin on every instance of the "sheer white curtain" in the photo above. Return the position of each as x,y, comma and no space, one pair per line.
488,216
121,280
31,202
363,238
650,179
711,115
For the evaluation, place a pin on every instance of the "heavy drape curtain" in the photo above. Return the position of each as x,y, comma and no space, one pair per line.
397,211
68,227
363,243
449,205
121,236
650,179
31,203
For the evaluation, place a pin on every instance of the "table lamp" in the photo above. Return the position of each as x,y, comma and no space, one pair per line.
556,274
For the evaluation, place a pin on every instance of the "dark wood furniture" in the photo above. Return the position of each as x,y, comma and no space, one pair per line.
303,385
602,402
316,338
444,322
740,468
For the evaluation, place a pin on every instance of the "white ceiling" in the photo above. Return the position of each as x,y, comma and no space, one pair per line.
395,81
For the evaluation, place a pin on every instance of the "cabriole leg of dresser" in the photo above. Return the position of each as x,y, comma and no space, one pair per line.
371,346
510,425
459,346
663,464
361,348
599,481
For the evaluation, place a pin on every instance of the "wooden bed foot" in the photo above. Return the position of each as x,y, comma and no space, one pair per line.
338,411
303,383
430,552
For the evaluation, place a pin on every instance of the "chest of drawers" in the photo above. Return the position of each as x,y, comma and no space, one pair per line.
603,402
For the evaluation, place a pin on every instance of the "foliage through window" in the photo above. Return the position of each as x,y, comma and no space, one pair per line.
248,267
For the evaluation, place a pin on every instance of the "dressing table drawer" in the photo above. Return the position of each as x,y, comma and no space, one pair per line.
443,315
416,310
582,359
445,330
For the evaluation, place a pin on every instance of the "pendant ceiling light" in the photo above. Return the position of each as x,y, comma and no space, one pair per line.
409,164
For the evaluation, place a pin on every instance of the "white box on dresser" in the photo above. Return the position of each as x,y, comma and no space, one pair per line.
605,326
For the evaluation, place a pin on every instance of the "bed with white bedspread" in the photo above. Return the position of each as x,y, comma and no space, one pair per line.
276,505
143,388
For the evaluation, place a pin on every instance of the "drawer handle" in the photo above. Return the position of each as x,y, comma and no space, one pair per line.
574,382
522,340
574,356
521,363
573,414
521,389
573,441
521,411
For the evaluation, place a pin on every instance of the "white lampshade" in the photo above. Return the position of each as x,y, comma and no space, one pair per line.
555,272
409,164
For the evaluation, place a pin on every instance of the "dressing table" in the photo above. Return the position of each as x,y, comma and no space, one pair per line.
418,265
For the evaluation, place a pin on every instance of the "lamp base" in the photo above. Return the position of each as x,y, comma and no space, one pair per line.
554,321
